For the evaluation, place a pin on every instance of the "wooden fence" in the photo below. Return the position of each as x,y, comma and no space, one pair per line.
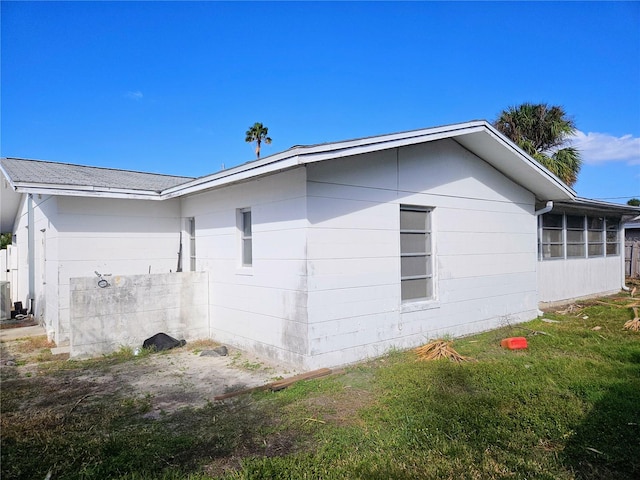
632,259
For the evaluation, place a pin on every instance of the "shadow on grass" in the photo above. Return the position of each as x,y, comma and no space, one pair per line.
607,444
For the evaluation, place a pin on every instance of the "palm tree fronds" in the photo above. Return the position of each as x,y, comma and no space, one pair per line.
542,132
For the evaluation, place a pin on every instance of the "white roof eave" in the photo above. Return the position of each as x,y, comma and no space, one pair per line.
86,191
479,137
511,161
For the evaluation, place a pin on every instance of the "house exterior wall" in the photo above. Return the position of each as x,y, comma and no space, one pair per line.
45,280
484,239
111,236
263,307
560,281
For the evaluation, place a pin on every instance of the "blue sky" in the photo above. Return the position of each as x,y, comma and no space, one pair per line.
171,87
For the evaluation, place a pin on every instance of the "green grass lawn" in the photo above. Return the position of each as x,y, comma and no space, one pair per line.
568,407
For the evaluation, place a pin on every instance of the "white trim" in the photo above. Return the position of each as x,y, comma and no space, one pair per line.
479,137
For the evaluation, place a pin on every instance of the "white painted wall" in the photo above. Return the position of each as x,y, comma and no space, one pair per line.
76,236
262,308
132,308
4,264
485,244
45,285
571,279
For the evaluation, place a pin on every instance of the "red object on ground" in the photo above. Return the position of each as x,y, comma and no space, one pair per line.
514,343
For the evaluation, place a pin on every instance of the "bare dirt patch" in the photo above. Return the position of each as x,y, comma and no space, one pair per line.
170,380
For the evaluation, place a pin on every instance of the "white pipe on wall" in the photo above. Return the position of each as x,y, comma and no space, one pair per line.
31,252
546,209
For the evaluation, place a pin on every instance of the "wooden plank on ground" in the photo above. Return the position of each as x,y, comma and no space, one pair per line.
278,385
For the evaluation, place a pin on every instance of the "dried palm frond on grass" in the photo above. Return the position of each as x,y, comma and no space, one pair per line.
633,325
573,309
439,349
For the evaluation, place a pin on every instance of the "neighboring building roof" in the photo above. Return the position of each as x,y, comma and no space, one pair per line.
37,176
24,172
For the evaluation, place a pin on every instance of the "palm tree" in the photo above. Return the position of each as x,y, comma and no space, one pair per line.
542,132
258,133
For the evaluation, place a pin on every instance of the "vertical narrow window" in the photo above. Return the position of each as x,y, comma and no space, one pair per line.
247,243
191,225
552,241
416,275
575,236
595,236
613,244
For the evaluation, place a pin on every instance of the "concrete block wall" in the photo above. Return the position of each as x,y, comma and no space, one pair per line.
484,246
135,307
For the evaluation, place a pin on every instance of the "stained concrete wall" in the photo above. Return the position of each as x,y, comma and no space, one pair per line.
135,307
484,245
261,308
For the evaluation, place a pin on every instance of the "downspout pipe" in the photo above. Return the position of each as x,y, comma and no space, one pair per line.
544,210
621,233
31,252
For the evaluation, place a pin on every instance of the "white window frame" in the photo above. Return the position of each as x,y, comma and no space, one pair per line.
600,238
246,239
583,241
426,253
591,234
546,246
191,232
611,226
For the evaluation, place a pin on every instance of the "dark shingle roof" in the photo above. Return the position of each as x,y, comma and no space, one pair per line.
41,172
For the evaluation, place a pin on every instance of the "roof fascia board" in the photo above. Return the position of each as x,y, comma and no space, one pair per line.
384,145
530,161
303,155
70,190
231,176
7,177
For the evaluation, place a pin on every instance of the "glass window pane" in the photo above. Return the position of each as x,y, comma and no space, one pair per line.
412,220
414,266
413,289
596,250
594,237
575,236
612,249
552,251
574,221
612,224
552,220
595,223
413,243
246,223
612,236
427,240
247,256
552,236
575,250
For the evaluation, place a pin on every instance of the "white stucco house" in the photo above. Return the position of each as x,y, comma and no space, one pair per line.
316,256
